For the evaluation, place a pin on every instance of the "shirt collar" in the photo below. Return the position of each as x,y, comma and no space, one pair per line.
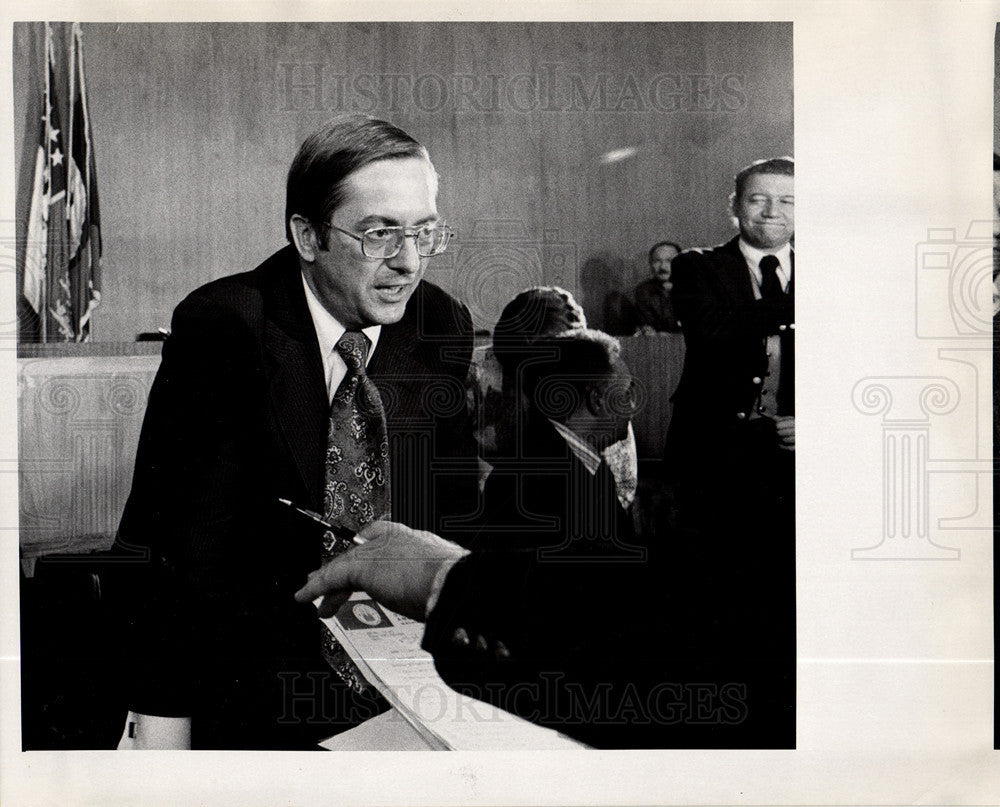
580,448
328,328
624,476
752,255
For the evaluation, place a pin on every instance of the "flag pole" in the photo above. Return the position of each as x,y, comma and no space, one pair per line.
43,312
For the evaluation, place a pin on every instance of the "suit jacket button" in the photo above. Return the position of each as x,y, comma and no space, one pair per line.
741,415
756,379
460,638
792,326
782,327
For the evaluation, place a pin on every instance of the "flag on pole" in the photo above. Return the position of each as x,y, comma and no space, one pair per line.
63,249
83,210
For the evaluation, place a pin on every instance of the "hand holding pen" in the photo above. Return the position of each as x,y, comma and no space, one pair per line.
345,539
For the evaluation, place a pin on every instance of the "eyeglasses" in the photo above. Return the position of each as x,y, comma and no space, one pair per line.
386,242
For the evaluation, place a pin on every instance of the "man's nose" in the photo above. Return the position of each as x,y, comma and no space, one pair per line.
406,260
771,208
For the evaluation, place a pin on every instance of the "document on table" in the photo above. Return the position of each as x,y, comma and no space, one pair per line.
386,648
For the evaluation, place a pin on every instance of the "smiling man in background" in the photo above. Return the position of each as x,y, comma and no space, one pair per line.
731,444
332,375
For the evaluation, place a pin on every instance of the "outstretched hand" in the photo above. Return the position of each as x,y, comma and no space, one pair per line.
396,566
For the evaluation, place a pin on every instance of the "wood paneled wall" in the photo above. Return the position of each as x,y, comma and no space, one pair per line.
565,149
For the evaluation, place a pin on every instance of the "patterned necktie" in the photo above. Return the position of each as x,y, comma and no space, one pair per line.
357,453
357,475
770,286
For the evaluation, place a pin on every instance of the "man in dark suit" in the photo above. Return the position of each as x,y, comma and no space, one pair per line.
737,387
221,656
654,303
731,444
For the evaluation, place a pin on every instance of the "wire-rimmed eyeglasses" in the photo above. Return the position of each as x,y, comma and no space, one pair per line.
386,242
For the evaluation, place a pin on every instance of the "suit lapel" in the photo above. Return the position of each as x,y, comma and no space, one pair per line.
294,368
736,275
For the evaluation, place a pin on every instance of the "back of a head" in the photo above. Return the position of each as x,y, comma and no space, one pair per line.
332,153
538,312
565,366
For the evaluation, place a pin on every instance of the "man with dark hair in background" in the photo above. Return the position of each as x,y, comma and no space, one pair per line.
567,485
264,393
654,303
731,444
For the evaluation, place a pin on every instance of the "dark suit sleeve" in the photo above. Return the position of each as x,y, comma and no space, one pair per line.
614,655
184,516
567,645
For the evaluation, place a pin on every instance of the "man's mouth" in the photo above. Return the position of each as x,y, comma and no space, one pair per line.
393,291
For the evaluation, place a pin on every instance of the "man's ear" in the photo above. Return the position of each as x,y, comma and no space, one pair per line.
595,399
732,207
305,237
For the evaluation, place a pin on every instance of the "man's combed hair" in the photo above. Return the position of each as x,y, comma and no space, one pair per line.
535,313
566,367
328,156
775,165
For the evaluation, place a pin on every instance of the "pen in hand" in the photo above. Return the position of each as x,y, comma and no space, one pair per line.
339,533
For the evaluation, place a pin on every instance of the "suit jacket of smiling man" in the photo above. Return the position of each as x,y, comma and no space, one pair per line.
731,441
237,418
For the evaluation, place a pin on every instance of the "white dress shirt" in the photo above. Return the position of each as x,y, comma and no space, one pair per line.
621,463
752,255
329,331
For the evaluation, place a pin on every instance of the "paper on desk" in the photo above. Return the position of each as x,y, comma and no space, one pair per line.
386,648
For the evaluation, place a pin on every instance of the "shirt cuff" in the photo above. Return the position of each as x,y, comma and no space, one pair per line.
438,583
